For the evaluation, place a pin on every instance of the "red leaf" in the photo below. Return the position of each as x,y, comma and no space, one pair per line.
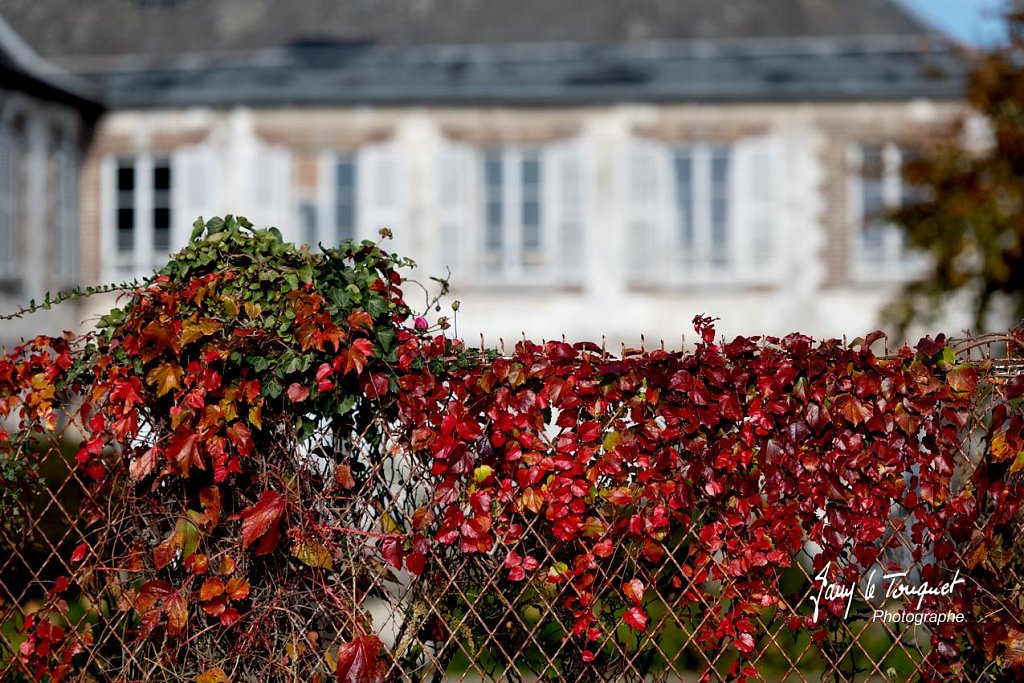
79,553
297,393
604,549
262,522
229,617
184,450
358,661
635,618
416,563
745,643
391,550
142,465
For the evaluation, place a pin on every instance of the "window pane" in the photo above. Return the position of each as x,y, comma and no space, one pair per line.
126,177
719,206
308,222
872,198
345,198
125,229
162,206
683,166
493,189
126,206
531,200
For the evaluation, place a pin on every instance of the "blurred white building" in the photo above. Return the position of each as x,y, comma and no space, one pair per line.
598,169
46,116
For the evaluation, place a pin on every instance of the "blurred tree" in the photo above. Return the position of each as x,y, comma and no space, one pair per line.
968,213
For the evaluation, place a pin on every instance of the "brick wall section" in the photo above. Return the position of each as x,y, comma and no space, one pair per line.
844,127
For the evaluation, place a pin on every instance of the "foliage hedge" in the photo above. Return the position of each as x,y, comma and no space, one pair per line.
240,410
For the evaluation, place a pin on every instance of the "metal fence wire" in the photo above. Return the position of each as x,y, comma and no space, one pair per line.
457,618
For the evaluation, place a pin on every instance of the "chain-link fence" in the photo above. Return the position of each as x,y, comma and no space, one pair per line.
442,614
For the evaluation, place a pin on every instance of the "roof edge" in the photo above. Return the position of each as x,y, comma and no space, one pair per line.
28,61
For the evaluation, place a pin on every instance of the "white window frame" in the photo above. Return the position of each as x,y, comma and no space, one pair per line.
894,262
462,200
377,194
143,258
658,256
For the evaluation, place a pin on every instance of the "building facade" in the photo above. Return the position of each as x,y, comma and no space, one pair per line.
610,179
46,117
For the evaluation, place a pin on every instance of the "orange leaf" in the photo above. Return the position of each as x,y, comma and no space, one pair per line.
343,477
212,587
237,589
634,590
227,565
215,675
177,614
356,354
963,377
532,500
168,548
360,319
165,377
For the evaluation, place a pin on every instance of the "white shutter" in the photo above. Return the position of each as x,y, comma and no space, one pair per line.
754,197
379,194
272,191
564,206
8,202
66,182
647,192
456,191
192,190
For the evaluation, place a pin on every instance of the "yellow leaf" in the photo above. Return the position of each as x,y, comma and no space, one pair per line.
1001,449
256,417
388,525
313,554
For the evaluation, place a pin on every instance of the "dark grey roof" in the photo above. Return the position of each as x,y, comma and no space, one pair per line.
740,70
151,53
24,70
99,28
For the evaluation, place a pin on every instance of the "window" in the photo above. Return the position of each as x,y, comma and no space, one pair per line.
513,206
511,213
877,188
142,214
10,165
356,193
701,212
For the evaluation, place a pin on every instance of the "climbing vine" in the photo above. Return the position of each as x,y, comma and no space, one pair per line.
274,439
